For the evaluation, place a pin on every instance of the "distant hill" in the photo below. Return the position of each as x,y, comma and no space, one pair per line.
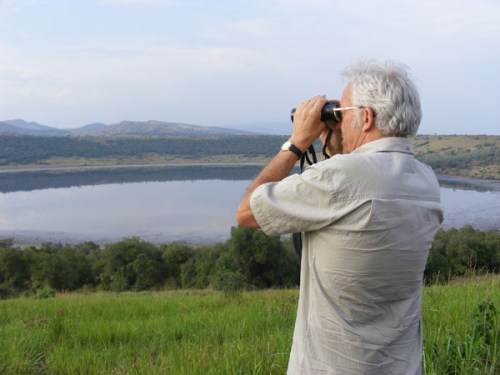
28,128
152,128
461,155
125,128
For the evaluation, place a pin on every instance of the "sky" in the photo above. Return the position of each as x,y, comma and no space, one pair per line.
241,64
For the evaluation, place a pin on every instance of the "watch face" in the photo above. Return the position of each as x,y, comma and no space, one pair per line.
289,146
286,146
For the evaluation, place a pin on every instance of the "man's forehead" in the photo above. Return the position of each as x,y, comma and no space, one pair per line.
347,93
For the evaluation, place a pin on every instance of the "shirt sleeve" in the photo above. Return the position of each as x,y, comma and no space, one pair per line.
298,203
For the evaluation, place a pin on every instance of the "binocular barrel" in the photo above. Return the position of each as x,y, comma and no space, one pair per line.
327,113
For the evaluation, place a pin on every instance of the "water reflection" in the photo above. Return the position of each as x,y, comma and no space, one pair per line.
27,180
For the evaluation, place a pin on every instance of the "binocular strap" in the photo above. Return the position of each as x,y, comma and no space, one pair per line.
297,237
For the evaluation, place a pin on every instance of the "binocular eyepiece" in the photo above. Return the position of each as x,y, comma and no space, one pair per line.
328,113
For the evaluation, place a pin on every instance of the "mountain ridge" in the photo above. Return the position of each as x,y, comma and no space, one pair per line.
122,128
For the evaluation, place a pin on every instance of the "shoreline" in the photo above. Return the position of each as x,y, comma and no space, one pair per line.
463,182
27,238
474,183
125,166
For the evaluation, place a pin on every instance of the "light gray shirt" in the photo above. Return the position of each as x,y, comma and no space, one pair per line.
369,219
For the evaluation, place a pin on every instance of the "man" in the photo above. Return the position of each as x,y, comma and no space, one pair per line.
369,215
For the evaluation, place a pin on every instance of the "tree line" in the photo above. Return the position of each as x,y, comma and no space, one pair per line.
457,251
33,149
248,260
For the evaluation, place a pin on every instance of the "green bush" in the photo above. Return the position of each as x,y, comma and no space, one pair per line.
45,292
6,292
229,281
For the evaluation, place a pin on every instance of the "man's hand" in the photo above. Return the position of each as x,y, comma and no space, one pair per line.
307,124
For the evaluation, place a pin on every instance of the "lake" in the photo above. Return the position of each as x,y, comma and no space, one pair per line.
162,204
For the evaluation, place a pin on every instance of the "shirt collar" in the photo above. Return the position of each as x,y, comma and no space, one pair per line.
387,144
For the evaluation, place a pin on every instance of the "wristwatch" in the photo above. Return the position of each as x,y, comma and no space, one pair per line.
289,146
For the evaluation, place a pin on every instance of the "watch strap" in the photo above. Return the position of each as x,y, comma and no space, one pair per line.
289,146
295,150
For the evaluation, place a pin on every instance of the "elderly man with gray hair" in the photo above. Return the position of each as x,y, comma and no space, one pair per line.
368,215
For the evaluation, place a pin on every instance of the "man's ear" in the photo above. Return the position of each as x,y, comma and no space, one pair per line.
368,120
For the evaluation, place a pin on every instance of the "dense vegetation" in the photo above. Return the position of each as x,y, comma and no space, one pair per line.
473,156
457,251
248,260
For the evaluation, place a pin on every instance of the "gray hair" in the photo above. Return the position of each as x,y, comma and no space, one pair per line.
387,89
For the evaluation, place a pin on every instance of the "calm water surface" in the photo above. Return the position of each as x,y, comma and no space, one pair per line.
201,211
194,211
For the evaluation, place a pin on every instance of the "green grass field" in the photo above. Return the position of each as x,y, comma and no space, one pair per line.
206,332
